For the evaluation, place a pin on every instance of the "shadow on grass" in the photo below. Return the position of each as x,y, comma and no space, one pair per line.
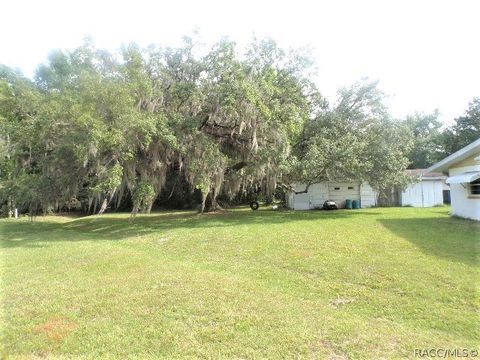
114,227
449,238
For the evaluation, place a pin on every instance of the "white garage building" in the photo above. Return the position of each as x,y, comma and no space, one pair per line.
338,191
427,192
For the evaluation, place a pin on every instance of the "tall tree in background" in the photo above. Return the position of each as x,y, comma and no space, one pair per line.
427,140
104,129
356,140
465,130
107,127
22,183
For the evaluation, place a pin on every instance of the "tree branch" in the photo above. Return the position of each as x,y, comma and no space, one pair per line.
304,191
237,166
204,122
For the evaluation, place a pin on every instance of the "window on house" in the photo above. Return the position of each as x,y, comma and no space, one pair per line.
337,188
350,188
475,187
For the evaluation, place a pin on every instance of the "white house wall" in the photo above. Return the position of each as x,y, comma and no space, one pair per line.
461,204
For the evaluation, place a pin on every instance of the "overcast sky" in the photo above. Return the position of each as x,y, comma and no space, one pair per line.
426,54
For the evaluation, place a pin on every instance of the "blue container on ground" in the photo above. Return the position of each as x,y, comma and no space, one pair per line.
356,204
348,204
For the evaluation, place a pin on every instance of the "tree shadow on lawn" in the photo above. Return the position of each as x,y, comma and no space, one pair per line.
113,227
449,238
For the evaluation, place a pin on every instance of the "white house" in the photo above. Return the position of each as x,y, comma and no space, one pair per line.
338,191
427,192
463,168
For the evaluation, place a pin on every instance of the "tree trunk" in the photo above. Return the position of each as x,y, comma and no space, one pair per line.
134,211
106,202
211,204
387,197
148,209
103,207
10,207
204,199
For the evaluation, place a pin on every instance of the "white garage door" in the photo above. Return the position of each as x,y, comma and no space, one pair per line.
413,195
432,193
423,194
318,195
302,202
339,192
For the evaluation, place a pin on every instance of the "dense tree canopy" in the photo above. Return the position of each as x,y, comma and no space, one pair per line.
465,129
354,139
432,142
100,126
428,147
103,130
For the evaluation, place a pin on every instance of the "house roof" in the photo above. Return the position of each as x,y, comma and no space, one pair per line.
466,177
462,154
426,175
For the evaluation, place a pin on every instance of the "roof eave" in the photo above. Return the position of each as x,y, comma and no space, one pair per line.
432,178
445,164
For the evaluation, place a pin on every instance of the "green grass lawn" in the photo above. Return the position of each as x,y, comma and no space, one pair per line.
371,284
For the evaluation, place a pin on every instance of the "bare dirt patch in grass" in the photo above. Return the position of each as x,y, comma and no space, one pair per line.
57,328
